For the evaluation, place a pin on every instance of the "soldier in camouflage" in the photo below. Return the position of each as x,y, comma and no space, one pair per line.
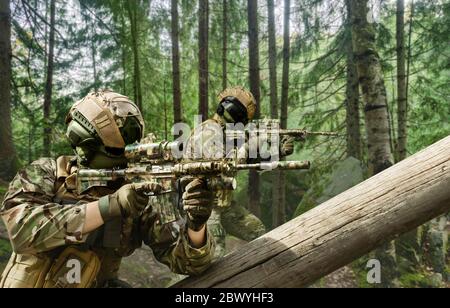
236,105
49,220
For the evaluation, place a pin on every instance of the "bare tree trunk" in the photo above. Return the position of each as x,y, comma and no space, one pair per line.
402,100
352,99
284,106
373,88
166,130
224,43
132,14
276,211
272,60
176,84
203,27
286,56
49,83
94,63
376,113
7,150
408,64
124,72
253,44
122,47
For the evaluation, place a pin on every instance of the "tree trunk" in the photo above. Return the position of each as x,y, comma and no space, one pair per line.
176,84
203,27
124,71
253,49
342,229
276,188
402,100
370,78
352,99
281,206
408,64
49,83
7,150
272,60
224,43
373,88
253,46
286,56
122,47
166,129
94,63
132,15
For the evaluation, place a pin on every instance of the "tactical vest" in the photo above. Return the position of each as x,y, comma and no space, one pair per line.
51,269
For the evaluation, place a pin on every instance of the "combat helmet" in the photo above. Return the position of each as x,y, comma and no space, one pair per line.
238,102
102,123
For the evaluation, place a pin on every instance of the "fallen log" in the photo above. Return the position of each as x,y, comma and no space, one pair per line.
341,229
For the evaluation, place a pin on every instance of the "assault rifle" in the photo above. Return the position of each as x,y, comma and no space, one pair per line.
155,161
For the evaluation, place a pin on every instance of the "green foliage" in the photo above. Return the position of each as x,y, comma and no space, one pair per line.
419,279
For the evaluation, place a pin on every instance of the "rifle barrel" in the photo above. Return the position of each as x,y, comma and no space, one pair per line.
304,133
280,165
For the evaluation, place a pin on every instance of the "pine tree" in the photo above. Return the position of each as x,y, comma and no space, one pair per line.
352,97
7,149
253,49
49,83
176,85
402,100
203,71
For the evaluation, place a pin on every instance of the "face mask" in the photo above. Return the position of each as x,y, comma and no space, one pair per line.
232,111
99,160
102,161
228,118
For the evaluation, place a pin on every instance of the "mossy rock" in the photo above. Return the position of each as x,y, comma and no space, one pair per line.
343,176
359,268
142,270
436,254
421,279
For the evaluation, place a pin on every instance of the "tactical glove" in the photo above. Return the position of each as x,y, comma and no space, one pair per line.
286,146
128,201
198,203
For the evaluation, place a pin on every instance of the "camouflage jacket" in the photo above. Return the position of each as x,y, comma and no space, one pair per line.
38,223
208,142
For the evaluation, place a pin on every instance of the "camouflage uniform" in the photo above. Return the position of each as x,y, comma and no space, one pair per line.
227,216
44,214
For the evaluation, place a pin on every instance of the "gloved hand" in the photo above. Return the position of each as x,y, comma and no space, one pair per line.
198,203
286,146
128,201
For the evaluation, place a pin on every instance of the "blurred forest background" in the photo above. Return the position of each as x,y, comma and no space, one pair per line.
382,84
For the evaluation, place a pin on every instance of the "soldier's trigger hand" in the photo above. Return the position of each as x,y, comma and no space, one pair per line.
147,187
128,201
185,180
198,203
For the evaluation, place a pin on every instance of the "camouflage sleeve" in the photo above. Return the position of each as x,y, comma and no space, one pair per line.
36,224
170,245
206,142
